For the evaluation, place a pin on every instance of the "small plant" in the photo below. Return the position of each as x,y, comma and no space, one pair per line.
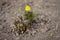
29,15
23,24
20,25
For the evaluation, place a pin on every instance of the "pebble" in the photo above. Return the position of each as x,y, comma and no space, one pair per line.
17,34
1,27
27,31
21,25
42,23
5,39
33,32
17,38
43,30
42,16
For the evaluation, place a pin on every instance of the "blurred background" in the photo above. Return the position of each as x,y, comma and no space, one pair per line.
44,9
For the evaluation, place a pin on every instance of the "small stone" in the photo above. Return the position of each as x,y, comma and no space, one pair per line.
42,23
12,29
43,30
17,38
17,34
1,27
45,20
42,16
27,32
21,25
5,39
33,33
22,32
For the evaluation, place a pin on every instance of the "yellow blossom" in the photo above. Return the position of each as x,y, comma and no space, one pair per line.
27,8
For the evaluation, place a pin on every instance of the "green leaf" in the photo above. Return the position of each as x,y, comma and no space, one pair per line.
29,16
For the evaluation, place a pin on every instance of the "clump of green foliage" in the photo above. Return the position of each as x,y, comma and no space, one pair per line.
29,16
21,25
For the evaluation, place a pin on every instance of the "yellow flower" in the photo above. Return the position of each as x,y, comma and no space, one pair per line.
27,8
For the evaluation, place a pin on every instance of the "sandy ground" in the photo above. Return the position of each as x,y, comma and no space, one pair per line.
11,9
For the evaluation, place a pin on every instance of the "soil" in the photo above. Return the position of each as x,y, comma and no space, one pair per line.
47,26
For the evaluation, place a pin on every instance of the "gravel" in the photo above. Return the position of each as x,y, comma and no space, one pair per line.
47,19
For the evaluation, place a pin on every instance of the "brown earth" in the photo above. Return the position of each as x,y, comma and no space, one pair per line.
44,9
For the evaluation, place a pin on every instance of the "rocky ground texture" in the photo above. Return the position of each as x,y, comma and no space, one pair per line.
47,18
